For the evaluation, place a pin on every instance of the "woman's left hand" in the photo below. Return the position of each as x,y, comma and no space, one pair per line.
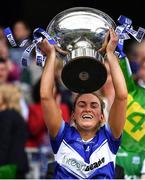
112,44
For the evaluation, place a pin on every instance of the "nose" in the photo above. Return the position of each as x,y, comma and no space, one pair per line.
87,108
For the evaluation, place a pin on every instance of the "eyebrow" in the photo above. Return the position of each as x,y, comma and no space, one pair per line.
85,102
94,103
81,102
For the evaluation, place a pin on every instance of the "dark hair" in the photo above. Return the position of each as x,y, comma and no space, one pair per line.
93,93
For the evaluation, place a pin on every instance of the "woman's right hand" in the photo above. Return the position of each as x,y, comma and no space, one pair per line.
46,47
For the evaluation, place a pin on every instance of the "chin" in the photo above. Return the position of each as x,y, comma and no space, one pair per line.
88,126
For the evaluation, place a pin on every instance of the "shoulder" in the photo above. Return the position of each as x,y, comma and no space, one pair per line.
66,133
16,117
70,132
9,113
11,117
15,113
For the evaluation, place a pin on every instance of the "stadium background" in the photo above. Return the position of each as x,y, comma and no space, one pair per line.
39,13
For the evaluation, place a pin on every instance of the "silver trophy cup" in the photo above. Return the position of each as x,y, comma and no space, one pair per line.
81,32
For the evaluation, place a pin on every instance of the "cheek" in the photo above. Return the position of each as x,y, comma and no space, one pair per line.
76,115
77,112
97,112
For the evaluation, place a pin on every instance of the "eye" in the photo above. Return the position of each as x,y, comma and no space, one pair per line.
94,105
81,104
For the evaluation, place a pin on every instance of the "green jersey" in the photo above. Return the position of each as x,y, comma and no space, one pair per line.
132,163
133,138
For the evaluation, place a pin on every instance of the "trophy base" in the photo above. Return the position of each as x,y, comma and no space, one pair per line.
84,75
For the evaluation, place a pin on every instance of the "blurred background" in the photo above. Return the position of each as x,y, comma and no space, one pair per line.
38,13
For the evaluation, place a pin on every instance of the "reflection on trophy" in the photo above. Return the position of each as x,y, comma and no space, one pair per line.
81,32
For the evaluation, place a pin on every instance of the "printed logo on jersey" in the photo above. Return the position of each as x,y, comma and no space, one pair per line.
81,166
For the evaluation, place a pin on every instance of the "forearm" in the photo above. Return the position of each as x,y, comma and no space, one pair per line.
47,79
118,109
117,77
51,111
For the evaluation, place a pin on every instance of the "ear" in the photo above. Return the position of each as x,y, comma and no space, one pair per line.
72,116
72,121
102,118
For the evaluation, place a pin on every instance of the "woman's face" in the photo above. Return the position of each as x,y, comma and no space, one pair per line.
87,114
20,31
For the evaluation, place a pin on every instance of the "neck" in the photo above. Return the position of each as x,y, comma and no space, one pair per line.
87,134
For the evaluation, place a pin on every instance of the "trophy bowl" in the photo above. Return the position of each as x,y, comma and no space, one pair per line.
81,33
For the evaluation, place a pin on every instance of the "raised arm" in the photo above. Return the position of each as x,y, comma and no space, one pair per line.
51,111
118,109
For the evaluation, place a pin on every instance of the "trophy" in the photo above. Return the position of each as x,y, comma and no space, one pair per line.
81,33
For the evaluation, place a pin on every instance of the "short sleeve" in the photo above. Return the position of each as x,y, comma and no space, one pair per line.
55,143
113,142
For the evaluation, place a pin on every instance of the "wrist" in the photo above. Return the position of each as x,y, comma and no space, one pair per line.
51,53
110,55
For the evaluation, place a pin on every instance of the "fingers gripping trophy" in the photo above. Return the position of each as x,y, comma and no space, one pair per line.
82,33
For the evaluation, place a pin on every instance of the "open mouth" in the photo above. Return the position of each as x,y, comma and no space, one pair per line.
87,116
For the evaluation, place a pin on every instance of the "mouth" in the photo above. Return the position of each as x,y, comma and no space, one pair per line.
87,116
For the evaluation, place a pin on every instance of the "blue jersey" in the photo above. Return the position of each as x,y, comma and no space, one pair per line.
78,159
